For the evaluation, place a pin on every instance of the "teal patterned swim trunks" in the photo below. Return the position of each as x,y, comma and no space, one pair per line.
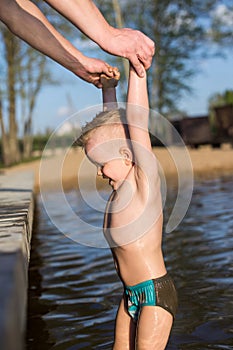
155,292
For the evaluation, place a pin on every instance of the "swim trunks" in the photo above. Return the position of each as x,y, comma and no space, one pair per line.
155,292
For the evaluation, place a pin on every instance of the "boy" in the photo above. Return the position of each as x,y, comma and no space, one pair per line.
118,143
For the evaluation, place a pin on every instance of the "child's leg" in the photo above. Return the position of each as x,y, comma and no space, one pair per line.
125,329
154,326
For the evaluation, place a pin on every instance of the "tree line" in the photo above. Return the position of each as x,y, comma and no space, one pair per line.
24,72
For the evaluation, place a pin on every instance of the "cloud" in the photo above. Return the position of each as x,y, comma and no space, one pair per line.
223,14
64,111
66,128
182,18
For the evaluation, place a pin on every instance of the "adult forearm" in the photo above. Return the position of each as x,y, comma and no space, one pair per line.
124,42
25,20
86,16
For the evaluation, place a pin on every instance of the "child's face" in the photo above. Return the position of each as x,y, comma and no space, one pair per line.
109,159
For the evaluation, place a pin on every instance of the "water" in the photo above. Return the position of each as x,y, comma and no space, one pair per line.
74,291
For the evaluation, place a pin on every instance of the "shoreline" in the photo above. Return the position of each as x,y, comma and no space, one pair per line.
65,170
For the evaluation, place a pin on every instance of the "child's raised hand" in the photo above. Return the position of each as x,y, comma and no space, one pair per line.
110,82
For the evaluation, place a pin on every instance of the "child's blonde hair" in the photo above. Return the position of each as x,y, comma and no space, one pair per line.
114,118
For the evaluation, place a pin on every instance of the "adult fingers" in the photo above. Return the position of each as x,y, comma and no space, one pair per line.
92,69
145,60
137,65
149,45
106,69
141,58
144,50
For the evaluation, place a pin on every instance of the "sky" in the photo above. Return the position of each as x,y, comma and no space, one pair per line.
56,103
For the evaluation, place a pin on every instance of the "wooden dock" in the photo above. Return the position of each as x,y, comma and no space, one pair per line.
16,218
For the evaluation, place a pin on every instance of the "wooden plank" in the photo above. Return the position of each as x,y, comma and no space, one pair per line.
16,218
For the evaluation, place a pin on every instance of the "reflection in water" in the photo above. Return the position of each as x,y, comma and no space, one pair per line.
74,290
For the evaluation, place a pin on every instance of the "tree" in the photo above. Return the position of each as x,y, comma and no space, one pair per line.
222,99
10,146
24,72
183,31
222,22
32,76
120,24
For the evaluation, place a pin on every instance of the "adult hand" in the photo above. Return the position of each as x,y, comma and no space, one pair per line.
128,43
91,69
133,45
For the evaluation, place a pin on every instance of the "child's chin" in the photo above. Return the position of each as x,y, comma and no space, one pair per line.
113,185
116,185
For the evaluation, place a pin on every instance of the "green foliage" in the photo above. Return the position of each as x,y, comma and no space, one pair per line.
221,99
218,100
24,72
222,23
39,142
184,32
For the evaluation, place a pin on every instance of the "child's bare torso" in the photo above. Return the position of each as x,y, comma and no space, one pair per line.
133,229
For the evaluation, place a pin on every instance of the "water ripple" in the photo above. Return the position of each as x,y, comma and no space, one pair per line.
74,290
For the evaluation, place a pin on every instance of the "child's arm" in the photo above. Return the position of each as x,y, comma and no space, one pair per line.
109,90
137,119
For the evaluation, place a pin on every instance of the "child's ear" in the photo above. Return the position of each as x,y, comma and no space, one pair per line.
126,155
